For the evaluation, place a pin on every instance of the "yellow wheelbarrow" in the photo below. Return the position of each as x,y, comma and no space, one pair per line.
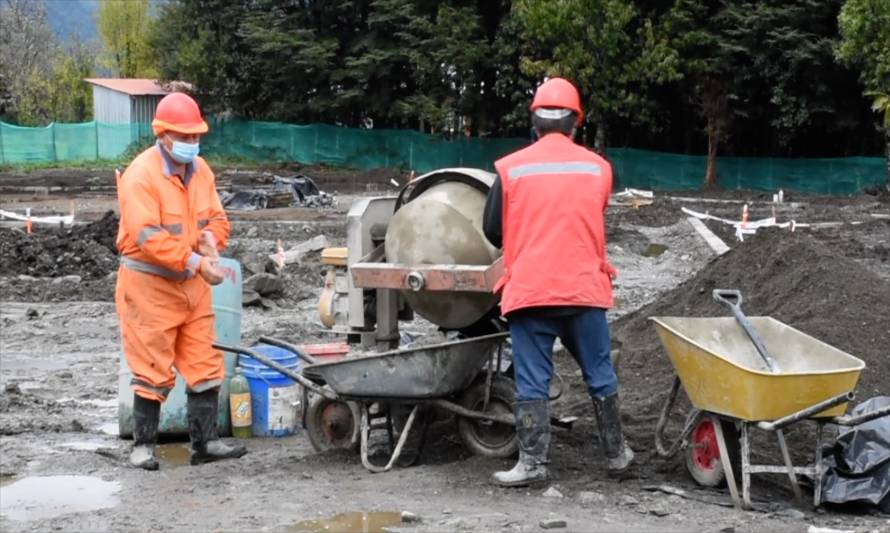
740,374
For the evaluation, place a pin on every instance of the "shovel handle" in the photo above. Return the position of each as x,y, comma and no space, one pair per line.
730,297
733,299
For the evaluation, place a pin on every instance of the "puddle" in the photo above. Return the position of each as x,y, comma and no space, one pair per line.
654,250
39,498
173,454
110,428
374,522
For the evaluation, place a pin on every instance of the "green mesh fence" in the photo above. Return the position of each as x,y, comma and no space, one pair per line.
365,149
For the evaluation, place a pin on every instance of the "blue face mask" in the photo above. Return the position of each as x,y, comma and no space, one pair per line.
184,152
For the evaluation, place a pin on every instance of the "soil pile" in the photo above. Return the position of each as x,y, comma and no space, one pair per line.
87,251
788,276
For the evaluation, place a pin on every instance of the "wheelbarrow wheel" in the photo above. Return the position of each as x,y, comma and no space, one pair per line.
333,424
703,453
483,437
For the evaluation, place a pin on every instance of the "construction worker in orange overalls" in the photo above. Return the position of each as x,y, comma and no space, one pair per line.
172,227
547,208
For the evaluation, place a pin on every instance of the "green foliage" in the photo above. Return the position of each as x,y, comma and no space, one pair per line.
125,26
44,81
606,47
746,77
865,41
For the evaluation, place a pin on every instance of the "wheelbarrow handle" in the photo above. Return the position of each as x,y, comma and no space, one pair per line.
807,413
274,365
301,353
850,420
732,298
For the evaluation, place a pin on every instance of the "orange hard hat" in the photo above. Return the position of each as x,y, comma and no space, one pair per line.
558,93
180,113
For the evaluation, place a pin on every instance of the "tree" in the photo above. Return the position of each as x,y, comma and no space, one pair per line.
612,53
865,43
125,27
60,95
28,46
698,31
44,82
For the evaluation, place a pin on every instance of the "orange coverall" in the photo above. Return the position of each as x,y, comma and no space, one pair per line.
164,307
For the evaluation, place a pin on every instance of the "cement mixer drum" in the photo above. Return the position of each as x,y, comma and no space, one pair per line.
440,223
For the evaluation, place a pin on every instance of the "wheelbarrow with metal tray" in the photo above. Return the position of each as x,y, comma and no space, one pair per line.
740,374
462,376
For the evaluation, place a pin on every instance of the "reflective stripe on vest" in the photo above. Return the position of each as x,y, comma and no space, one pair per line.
568,167
148,268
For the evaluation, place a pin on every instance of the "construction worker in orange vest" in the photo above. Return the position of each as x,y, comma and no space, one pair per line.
172,227
546,209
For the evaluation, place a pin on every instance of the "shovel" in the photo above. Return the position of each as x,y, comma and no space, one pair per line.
733,299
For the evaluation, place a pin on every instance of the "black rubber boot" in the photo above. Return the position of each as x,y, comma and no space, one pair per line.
533,432
146,414
203,409
608,420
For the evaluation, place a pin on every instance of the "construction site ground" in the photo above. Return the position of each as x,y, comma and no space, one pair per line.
60,352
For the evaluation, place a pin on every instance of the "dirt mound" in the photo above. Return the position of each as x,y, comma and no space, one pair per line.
788,276
87,251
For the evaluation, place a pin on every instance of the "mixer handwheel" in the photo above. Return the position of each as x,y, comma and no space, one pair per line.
332,424
483,437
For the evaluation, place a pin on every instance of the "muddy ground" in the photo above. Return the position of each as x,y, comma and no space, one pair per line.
59,357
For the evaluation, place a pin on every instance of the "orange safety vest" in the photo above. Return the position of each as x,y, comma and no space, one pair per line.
555,194
162,219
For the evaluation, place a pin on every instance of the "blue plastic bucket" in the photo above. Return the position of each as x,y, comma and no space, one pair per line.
274,397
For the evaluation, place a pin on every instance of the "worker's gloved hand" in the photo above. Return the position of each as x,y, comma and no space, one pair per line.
207,245
209,271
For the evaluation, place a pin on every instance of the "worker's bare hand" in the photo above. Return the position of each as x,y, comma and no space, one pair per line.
210,272
207,245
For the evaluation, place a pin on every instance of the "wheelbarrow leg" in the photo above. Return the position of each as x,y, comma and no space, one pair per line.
366,430
746,466
798,495
727,465
817,474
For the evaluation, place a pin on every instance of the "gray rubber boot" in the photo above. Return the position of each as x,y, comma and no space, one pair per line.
146,414
533,432
202,414
618,453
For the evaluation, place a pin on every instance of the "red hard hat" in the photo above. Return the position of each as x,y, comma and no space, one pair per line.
558,93
180,113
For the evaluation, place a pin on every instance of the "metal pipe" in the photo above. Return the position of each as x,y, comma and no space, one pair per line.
850,420
463,411
280,368
290,347
806,413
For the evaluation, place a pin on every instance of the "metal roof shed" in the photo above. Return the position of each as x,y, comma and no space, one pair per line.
119,100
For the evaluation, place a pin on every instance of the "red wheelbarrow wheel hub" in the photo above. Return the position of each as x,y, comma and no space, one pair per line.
705,451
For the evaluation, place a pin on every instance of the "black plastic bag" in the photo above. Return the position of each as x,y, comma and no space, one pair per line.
857,467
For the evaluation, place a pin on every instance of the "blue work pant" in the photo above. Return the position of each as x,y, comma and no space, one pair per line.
585,334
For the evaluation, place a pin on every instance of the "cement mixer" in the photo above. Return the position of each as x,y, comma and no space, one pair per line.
422,252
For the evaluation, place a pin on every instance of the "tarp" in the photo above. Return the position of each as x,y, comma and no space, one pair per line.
858,467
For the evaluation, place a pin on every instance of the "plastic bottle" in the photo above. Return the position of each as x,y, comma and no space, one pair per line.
239,406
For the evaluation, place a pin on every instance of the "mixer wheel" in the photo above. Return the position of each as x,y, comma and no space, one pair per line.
483,437
333,424
703,454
